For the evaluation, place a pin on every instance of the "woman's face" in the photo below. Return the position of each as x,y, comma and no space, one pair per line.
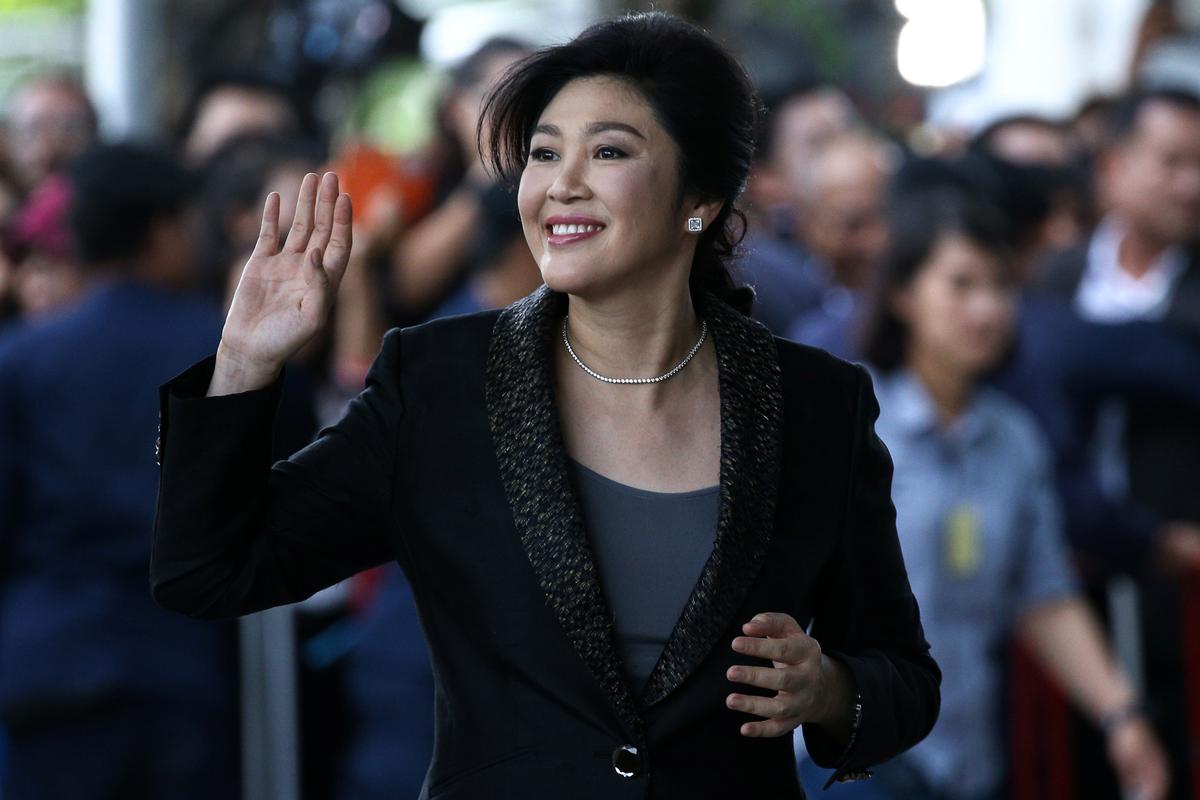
598,194
959,308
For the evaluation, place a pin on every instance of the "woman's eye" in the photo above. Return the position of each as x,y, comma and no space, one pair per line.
541,154
607,153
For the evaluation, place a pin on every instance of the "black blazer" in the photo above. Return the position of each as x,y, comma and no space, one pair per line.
452,463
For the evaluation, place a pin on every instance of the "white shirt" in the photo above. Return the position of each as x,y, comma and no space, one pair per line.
1108,293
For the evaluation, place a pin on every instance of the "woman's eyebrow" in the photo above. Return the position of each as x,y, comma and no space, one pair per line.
600,127
596,127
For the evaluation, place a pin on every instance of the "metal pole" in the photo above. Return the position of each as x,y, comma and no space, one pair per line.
270,724
122,59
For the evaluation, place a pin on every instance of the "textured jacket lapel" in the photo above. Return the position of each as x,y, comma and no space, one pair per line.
533,468
751,437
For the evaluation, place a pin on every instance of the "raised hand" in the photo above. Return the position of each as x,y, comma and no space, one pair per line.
285,294
809,686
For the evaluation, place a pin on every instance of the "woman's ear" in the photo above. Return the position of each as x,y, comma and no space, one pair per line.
705,211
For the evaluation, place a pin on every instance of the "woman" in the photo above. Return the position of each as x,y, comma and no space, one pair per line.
466,459
975,506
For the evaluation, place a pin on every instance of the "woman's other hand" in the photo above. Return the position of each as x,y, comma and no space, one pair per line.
285,294
810,687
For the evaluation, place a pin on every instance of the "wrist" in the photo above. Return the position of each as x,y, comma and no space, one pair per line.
837,706
233,373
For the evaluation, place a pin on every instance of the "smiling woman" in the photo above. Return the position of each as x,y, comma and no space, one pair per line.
647,539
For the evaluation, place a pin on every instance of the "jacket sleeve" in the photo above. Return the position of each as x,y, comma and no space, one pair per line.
867,618
234,534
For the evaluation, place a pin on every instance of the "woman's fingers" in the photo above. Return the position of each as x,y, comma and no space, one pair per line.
327,196
302,222
337,253
788,651
772,624
778,638
771,727
780,680
771,707
268,234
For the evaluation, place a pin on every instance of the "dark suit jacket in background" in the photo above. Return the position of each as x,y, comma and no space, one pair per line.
77,629
1163,431
452,463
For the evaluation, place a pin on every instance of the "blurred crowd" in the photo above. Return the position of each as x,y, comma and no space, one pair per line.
1026,298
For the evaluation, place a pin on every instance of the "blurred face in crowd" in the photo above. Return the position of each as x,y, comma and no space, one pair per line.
465,104
231,111
842,218
1153,178
804,125
598,194
44,283
959,308
50,122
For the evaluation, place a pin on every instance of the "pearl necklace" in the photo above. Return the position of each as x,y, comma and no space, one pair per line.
663,377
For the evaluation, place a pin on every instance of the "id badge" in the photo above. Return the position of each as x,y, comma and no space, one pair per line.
962,541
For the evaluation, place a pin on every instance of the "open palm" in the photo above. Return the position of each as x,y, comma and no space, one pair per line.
285,294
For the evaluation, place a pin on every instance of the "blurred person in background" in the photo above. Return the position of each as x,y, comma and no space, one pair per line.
502,269
9,310
975,508
430,260
1143,264
1028,139
225,107
844,229
46,276
50,120
801,120
1089,125
1043,162
10,199
103,694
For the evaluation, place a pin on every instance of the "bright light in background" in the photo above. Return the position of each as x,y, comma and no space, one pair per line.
455,29
943,42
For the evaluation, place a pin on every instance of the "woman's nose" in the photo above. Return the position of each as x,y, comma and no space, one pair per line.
570,181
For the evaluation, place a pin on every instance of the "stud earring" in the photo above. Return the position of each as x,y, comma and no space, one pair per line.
695,224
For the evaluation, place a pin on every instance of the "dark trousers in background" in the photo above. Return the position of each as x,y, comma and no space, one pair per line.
139,750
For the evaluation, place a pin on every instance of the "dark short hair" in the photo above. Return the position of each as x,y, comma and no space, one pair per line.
1122,118
923,212
246,81
470,71
119,192
699,93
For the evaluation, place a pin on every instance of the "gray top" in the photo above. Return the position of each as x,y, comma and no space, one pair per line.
979,525
650,548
